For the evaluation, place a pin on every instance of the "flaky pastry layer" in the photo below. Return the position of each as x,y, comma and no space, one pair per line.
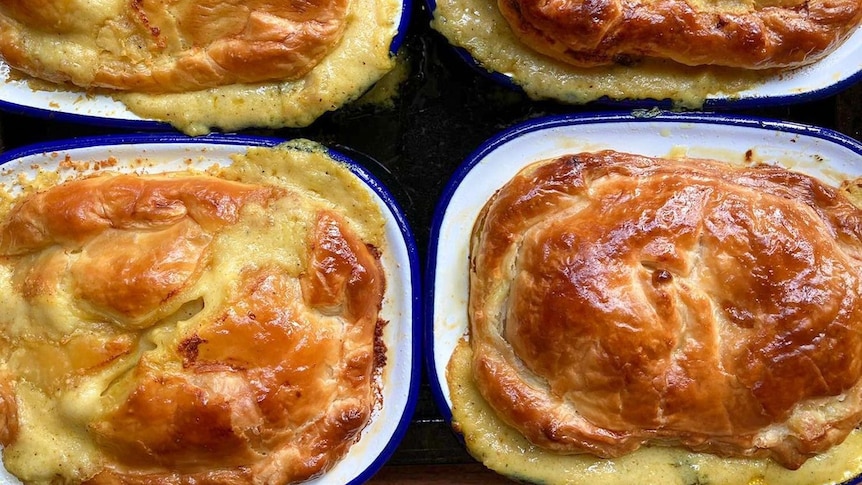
618,300
750,35
168,46
187,328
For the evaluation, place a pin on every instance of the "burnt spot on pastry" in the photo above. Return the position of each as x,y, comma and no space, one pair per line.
188,349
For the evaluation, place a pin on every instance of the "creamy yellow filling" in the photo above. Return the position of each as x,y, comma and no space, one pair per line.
56,399
478,27
360,60
504,450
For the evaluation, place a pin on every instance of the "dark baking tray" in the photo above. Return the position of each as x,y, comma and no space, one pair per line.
442,113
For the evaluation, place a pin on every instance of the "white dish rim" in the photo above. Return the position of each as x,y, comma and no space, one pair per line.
757,97
123,118
220,146
652,120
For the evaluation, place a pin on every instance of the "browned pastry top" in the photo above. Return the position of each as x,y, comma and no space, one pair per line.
168,46
171,355
753,35
618,300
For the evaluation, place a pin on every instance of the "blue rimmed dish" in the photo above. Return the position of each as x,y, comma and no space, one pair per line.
155,153
21,95
480,37
822,153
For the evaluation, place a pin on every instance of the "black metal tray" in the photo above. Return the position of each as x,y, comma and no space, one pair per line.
443,111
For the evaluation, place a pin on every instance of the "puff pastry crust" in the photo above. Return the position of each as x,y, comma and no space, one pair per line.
751,35
173,356
168,46
618,300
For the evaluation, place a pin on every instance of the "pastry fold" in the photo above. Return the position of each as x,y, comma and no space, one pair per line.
751,35
618,300
187,328
164,46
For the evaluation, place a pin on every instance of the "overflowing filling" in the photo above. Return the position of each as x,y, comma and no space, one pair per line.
216,326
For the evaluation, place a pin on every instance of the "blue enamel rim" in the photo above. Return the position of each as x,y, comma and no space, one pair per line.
403,24
11,106
363,174
710,103
550,122
66,117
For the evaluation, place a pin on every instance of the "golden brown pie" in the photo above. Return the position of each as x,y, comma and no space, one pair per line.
218,327
200,65
619,301
750,35
677,52
168,46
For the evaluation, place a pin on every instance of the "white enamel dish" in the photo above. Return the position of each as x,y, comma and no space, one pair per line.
19,97
835,72
825,154
402,334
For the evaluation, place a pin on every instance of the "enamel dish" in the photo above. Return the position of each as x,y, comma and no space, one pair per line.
20,96
822,153
400,377
837,71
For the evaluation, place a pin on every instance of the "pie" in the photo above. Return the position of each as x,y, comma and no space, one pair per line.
216,326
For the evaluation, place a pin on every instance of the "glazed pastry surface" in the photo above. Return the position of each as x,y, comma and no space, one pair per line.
750,35
162,46
188,328
618,301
